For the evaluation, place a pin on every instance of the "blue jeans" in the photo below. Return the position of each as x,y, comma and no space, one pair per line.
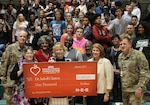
2,49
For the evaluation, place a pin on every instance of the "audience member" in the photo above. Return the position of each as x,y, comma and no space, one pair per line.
99,8
112,54
74,4
3,40
23,8
38,21
82,6
79,23
58,25
90,12
129,31
107,21
87,55
135,22
100,33
87,28
136,11
31,27
10,15
69,19
36,8
44,21
79,40
69,32
50,34
72,53
142,40
119,23
19,25
75,14
147,16
38,35
128,15
49,12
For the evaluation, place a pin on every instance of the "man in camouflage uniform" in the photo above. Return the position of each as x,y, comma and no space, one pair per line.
134,73
11,56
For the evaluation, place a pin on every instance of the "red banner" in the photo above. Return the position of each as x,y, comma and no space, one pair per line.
60,79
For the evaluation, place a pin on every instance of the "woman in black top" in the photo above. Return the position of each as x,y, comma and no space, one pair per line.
112,54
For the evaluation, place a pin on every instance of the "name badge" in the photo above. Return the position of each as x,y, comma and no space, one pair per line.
142,43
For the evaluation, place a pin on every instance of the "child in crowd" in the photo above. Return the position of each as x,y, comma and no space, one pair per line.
69,32
87,28
58,25
79,40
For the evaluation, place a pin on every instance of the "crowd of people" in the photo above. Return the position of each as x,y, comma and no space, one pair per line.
116,38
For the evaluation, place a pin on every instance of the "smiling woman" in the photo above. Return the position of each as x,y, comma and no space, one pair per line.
18,93
105,77
59,51
58,56
44,53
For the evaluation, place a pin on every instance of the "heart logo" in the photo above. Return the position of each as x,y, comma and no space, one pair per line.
35,70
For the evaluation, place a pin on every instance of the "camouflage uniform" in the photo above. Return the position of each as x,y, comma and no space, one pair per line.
134,75
10,57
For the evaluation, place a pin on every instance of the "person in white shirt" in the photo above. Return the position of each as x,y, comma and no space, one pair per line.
118,25
136,11
19,25
128,14
82,6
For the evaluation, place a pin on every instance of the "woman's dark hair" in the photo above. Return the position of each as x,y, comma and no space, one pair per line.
119,8
76,5
89,5
145,26
61,13
57,4
115,36
106,13
41,25
96,16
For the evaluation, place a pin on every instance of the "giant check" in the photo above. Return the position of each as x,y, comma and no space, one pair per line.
60,79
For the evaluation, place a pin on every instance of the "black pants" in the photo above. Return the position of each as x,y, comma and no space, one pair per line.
96,100
116,91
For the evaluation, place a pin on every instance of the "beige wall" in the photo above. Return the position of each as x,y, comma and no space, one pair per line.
7,1
144,4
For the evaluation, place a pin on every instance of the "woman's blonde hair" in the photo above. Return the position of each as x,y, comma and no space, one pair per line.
59,44
101,49
18,21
